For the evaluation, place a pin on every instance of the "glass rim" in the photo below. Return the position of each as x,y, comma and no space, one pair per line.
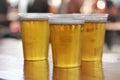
65,19
62,15
34,16
93,17
66,16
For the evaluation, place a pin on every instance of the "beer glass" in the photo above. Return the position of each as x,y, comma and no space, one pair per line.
35,35
93,36
67,73
66,35
92,70
36,70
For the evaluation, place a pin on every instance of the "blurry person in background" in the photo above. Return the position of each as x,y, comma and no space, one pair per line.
3,13
40,6
88,6
33,6
74,6
113,12
4,22
56,6
113,26
9,14
83,6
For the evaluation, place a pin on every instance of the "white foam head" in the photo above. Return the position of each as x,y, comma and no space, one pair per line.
93,17
34,16
65,19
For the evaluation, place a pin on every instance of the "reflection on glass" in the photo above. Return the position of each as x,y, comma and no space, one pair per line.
92,71
66,73
36,70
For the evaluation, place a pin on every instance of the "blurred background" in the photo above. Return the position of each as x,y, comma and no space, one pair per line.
10,27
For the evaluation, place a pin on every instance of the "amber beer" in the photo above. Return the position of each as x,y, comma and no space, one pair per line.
93,37
67,73
92,70
93,41
66,35
35,35
36,70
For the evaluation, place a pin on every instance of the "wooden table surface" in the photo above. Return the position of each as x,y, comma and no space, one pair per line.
12,66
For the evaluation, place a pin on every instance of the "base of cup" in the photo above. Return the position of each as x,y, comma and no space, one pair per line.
34,59
66,66
87,60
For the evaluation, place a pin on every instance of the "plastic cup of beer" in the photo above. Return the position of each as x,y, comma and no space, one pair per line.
93,36
35,35
66,35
